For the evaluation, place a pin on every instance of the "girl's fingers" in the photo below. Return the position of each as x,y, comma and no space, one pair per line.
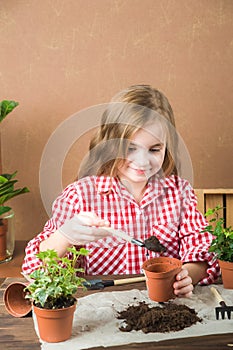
182,274
183,286
183,282
91,219
184,291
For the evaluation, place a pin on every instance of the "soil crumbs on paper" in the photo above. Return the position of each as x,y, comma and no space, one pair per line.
165,318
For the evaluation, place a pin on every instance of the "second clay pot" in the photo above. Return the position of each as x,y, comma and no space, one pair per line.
160,275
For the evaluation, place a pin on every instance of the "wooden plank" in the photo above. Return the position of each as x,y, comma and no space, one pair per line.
200,200
218,190
212,200
215,196
229,210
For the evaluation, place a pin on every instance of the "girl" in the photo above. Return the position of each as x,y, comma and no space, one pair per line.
130,181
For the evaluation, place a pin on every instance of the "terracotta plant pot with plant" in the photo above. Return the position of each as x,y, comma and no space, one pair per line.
160,275
7,192
52,292
222,245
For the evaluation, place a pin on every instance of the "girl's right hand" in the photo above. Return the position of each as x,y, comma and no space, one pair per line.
84,228
183,286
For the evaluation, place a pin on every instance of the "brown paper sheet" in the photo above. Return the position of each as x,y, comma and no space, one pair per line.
95,323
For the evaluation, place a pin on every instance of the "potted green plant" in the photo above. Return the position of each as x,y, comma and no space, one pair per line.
52,291
7,192
222,244
6,106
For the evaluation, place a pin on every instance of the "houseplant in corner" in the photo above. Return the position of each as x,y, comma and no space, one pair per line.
7,192
222,245
52,292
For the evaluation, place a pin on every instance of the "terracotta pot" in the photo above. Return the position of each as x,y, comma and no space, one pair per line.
14,299
55,325
160,275
227,273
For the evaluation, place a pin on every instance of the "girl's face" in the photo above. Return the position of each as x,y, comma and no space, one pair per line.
145,155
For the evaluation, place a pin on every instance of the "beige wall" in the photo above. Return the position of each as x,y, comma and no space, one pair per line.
61,56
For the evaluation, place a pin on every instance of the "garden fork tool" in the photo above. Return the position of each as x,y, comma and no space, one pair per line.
223,309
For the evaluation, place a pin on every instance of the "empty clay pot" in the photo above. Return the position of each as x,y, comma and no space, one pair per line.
160,275
14,299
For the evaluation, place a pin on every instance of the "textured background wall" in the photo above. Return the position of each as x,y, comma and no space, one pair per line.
61,56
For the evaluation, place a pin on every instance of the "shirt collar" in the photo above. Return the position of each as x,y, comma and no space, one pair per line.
104,184
155,187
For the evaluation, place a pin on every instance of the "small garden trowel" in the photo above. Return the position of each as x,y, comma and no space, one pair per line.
100,284
152,243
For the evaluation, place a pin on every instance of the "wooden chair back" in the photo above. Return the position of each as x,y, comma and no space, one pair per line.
210,198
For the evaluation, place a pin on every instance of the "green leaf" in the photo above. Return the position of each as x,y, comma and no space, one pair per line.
9,176
7,187
3,179
222,243
6,197
42,295
7,190
4,209
7,106
56,278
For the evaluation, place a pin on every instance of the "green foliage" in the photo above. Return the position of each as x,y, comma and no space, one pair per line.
56,280
7,190
6,107
222,243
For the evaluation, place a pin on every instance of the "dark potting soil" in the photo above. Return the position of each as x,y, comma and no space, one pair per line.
58,303
165,318
152,243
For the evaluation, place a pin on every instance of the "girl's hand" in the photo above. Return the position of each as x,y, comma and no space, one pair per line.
88,218
183,286
83,228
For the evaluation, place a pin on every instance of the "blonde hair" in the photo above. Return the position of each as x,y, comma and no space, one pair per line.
130,110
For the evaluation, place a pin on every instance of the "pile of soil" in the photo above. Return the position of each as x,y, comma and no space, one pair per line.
165,318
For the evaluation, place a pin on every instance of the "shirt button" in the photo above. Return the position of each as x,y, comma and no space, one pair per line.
138,211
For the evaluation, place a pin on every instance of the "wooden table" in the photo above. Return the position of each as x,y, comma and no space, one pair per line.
19,334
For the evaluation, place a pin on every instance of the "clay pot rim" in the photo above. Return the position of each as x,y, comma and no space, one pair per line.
173,262
161,275
26,305
225,262
63,308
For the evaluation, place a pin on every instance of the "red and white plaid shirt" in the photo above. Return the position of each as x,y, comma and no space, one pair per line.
167,210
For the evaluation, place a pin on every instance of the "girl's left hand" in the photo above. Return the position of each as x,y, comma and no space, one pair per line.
183,286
